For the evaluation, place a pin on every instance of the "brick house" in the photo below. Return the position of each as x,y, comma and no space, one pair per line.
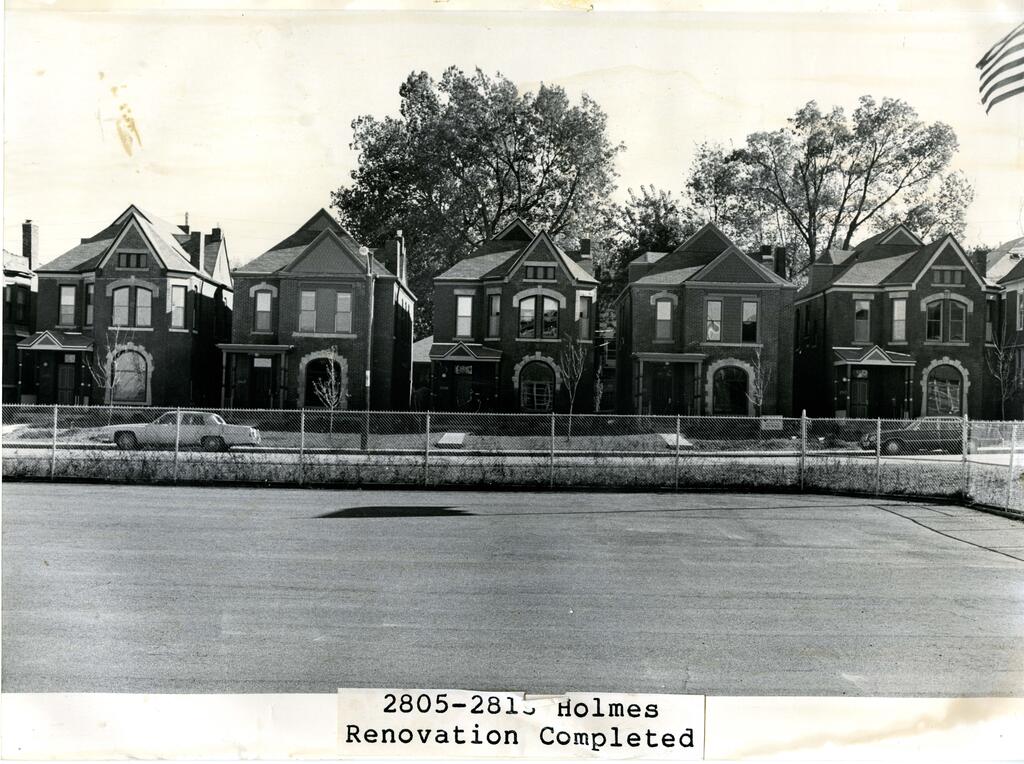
506,320
1006,266
895,328
700,331
319,295
20,291
132,315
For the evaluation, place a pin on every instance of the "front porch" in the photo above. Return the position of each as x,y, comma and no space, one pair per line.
667,384
465,376
253,376
872,383
60,364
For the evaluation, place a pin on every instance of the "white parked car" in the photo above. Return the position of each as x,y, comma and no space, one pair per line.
198,428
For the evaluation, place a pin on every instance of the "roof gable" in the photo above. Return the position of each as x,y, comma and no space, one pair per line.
327,253
543,247
706,239
517,230
733,266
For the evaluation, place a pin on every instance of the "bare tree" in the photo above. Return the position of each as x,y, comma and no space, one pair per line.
760,382
104,373
573,361
1002,363
330,389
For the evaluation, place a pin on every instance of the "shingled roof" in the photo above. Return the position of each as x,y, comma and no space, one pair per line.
497,257
288,250
165,239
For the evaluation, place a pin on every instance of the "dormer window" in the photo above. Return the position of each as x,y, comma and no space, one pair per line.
540,272
131,260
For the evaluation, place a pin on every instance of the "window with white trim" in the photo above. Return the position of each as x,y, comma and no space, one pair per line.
343,312
861,320
493,315
464,316
143,307
122,300
307,311
899,320
261,315
713,321
67,305
178,293
663,320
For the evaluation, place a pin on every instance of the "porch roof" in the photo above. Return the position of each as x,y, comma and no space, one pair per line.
870,356
463,351
671,357
54,339
255,349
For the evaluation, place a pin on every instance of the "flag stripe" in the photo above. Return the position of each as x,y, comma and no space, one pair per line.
1011,75
995,49
1003,83
990,73
1003,97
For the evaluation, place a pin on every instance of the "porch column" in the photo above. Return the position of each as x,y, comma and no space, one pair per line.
849,388
640,388
18,380
282,379
223,377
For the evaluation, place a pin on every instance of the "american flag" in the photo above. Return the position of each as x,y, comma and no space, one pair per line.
1002,69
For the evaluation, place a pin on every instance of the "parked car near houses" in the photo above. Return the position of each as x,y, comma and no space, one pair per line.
929,434
205,430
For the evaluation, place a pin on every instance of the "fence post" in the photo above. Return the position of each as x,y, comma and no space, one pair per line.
177,441
965,463
426,452
1009,469
803,445
366,431
678,433
878,456
551,482
302,445
53,445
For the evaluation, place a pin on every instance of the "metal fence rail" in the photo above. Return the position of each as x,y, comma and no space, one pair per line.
971,460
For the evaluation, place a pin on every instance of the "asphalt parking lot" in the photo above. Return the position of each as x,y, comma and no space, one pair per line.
154,589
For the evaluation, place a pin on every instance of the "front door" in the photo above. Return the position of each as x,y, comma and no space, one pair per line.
662,386
66,383
859,396
261,383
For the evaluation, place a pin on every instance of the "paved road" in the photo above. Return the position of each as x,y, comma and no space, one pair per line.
150,589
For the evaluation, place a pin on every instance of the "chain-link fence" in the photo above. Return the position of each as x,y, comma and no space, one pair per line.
945,457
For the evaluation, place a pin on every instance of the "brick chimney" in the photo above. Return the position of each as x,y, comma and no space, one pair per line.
585,253
764,256
981,263
30,242
185,227
215,234
394,255
780,261
195,246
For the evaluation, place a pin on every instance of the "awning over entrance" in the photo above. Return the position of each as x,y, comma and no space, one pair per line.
870,356
463,351
54,339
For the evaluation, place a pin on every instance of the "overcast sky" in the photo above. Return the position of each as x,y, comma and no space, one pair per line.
244,119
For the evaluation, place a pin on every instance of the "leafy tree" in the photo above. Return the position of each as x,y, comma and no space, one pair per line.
938,214
834,176
467,154
653,220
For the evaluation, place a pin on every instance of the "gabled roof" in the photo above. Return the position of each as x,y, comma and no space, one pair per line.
706,246
164,238
421,349
290,249
54,339
471,351
889,259
498,258
1005,260
870,356
517,230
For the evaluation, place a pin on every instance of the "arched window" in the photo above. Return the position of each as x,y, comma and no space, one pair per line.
529,325
129,378
143,307
120,315
944,391
536,387
527,317
729,392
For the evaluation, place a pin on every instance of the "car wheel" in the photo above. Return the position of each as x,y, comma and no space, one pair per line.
126,441
213,443
892,447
